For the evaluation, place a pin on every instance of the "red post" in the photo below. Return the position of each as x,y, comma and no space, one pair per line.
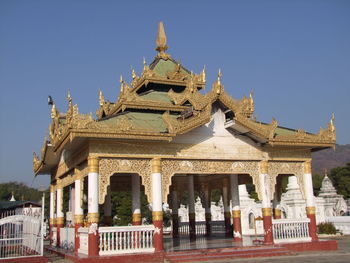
267,222
59,225
157,217
78,222
310,213
237,227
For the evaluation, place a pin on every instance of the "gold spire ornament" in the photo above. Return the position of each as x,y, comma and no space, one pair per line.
101,97
161,42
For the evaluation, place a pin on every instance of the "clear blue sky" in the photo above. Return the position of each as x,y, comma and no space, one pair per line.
294,55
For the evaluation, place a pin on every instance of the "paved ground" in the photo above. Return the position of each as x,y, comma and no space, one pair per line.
342,255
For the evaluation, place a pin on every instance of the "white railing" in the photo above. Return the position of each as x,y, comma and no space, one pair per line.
201,229
67,238
126,239
291,230
83,233
21,234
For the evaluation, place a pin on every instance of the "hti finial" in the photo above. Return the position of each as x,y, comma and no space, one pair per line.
219,76
161,41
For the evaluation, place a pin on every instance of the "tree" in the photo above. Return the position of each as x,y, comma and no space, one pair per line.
340,177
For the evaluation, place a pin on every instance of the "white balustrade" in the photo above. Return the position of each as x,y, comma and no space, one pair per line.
126,239
201,229
291,230
83,233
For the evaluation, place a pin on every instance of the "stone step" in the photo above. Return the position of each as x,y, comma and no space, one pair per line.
229,253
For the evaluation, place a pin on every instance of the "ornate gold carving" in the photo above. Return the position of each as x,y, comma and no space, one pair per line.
93,217
285,168
236,213
36,162
266,211
93,164
310,210
59,184
110,166
78,219
60,220
264,167
157,216
156,166
180,125
307,167
178,166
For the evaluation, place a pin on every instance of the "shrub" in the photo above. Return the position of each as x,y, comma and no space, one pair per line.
326,228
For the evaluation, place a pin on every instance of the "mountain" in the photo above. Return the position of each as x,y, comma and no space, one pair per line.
328,159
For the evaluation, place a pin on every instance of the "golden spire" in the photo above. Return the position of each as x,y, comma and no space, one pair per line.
161,42
331,126
219,77
203,75
133,74
69,98
54,111
101,97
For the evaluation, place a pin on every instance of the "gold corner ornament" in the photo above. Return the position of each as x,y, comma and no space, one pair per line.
156,165
264,167
307,167
93,164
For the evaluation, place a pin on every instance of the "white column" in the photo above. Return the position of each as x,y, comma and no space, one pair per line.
78,210
59,206
93,190
52,205
157,192
157,204
308,189
136,201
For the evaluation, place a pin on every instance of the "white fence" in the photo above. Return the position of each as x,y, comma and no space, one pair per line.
67,238
126,239
291,230
217,227
21,234
341,223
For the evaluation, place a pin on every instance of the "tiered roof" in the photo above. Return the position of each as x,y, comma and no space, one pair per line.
166,101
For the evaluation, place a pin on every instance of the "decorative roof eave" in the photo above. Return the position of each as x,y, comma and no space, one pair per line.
178,126
325,137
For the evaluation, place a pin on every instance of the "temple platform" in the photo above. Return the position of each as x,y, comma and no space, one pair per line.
205,249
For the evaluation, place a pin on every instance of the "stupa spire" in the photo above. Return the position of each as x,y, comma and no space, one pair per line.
161,42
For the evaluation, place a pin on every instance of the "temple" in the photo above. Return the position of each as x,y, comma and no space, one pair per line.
165,137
